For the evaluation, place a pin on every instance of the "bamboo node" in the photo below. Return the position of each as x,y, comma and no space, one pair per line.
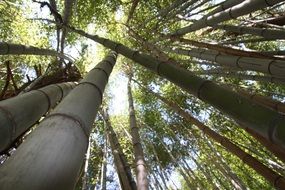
11,119
201,86
74,119
272,127
47,97
95,86
100,69
61,90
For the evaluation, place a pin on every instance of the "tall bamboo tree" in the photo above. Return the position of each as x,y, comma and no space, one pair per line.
60,140
122,166
19,113
243,8
18,49
141,170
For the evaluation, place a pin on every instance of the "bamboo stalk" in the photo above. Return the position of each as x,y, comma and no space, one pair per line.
51,157
19,113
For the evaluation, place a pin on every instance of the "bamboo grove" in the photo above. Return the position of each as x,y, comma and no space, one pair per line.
200,86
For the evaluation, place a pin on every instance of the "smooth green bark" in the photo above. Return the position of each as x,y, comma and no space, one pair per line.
17,49
243,8
51,157
141,170
263,32
223,6
268,66
19,113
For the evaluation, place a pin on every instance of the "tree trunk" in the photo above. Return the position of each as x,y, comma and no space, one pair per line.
159,164
263,100
142,181
54,6
243,8
262,120
19,113
61,139
241,76
85,175
223,49
267,66
103,180
224,6
266,33
17,49
67,12
123,168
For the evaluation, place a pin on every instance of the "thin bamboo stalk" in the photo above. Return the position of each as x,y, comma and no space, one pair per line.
17,49
268,66
243,8
141,170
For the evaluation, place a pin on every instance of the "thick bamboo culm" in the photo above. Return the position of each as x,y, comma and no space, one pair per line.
52,155
19,113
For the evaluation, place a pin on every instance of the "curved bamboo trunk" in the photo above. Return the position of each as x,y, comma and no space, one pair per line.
243,8
123,168
266,33
274,178
264,121
19,113
141,171
61,139
267,66
17,49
